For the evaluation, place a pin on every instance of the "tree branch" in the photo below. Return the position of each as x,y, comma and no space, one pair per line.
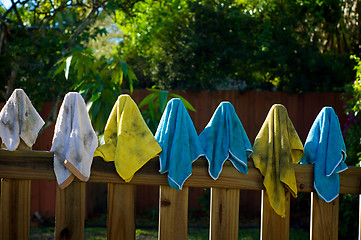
5,32
89,19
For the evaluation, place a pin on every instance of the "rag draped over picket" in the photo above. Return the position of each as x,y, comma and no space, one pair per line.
128,141
277,146
19,120
178,138
74,141
224,138
326,149
130,144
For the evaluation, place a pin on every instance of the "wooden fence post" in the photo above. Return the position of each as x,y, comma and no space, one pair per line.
173,213
324,218
70,212
120,219
15,206
274,226
224,213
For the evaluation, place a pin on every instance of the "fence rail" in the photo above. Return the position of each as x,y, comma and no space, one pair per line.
173,205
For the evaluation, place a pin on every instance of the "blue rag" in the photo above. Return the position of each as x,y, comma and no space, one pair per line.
224,138
179,141
326,149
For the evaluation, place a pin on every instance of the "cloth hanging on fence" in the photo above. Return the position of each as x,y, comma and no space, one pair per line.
178,138
74,141
326,148
276,147
19,119
224,138
128,140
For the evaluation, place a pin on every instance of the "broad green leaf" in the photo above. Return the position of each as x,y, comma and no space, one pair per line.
60,68
131,75
67,66
77,85
109,96
185,102
95,109
124,68
146,101
83,91
131,85
154,89
163,96
95,97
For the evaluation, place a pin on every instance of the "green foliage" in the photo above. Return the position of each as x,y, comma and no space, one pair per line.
98,80
348,218
36,34
352,128
154,105
188,44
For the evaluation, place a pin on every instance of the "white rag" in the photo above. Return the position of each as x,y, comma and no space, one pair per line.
19,119
74,141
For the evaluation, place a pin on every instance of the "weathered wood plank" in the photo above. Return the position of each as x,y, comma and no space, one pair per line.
39,165
324,218
274,226
70,212
15,209
120,218
15,206
224,213
173,213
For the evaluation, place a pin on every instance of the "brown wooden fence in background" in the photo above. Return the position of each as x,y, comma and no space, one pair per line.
251,107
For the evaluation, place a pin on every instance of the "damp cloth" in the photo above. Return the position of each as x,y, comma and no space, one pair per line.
325,148
19,120
277,146
74,141
224,138
129,143
179,141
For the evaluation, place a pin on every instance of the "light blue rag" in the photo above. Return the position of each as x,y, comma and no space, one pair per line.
224,138
326,149
179,141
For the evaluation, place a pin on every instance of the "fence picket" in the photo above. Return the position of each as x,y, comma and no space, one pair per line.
173,213
70,212
224,213
120,219
324,218
274,226
15,206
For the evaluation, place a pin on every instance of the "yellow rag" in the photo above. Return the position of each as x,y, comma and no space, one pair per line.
128,140
276,147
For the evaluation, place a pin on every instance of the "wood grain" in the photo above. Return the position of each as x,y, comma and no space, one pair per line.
274,226
70,212
15,206
120,219
173,213
324,218
224,213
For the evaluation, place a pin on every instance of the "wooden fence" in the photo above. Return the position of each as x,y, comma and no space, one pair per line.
251,107
17,168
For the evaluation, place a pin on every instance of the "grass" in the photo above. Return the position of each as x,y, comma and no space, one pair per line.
100,233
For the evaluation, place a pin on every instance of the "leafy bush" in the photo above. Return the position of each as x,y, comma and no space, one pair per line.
352,128
192,45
